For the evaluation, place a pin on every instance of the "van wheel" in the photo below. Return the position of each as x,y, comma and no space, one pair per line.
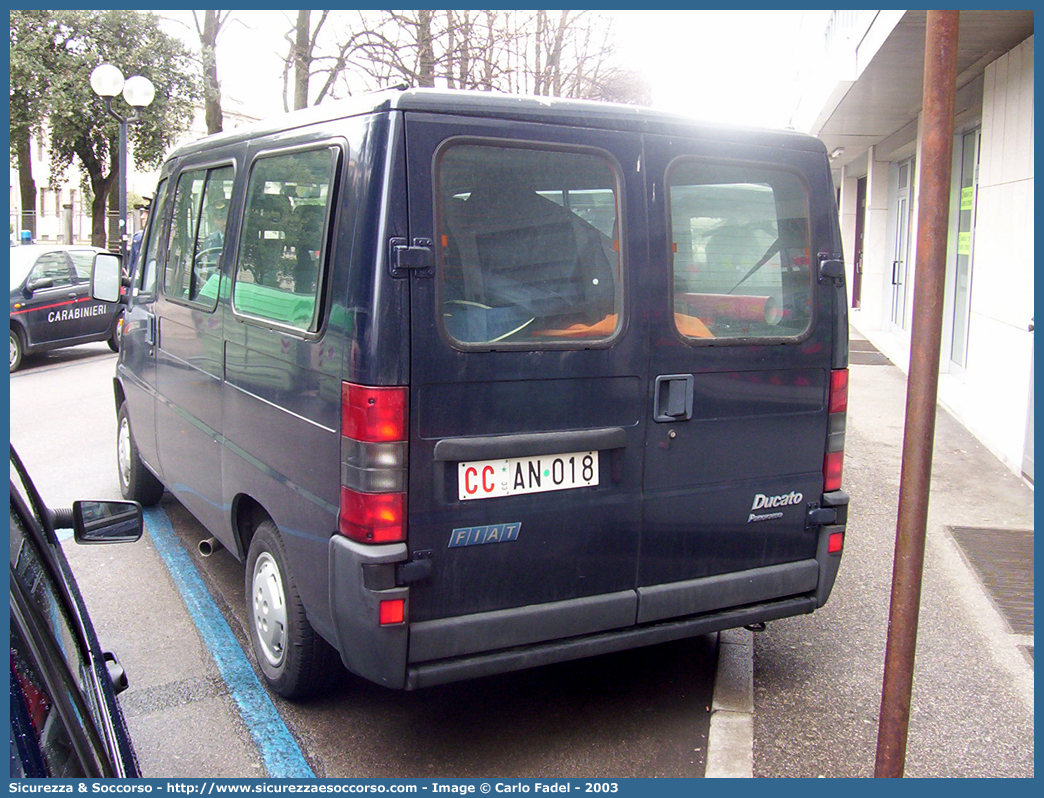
137,483
294,659
17,350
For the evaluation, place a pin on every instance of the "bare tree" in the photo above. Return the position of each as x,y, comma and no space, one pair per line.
562,53
208,32
312,55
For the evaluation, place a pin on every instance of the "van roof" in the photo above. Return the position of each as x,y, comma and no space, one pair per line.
513,107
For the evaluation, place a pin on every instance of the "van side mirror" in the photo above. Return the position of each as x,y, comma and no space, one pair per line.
107,522
106,278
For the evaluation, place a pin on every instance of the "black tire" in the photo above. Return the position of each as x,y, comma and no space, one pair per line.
117,334
137,483
17,349
293,658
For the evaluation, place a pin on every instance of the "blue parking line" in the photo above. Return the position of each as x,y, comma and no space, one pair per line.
279,751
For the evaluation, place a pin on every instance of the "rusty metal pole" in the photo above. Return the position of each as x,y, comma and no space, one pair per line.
940,78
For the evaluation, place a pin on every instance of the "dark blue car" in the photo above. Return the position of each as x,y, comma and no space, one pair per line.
65,719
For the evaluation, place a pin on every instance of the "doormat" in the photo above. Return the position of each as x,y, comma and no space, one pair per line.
864,353
1003,560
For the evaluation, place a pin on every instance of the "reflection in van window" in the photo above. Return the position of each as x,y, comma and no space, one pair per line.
278,276
530,245
197,235
741,252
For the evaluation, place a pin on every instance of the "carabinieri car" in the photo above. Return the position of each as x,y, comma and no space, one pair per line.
51,303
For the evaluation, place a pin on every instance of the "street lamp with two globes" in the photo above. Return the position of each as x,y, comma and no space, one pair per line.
107,82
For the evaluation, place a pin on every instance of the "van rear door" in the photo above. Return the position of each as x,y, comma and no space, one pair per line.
739,374
528,381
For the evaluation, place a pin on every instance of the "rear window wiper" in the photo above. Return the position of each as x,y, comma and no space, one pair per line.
774,247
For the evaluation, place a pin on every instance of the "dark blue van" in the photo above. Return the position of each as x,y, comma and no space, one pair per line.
474,383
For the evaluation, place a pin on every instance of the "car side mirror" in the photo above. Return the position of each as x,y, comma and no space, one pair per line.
36,285
106,278
107,522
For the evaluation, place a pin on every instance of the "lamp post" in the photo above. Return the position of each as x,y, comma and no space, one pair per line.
107,82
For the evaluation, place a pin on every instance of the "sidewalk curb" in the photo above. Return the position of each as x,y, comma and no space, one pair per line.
730,741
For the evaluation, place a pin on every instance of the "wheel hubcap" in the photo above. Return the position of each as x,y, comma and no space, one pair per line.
123,451
14,349
269,605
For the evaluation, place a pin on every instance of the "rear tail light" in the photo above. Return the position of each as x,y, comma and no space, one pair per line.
373,517
374,431
373,414
839,391
837,412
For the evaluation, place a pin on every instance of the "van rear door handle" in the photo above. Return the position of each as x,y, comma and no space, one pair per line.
673,398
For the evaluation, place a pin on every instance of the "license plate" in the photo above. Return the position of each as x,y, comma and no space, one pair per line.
486,479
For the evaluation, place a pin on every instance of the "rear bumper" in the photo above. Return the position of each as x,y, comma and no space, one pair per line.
435,652
441,672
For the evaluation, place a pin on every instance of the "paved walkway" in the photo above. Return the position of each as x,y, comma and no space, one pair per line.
817,678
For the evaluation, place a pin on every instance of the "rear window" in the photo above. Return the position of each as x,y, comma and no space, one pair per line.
741,251
529,253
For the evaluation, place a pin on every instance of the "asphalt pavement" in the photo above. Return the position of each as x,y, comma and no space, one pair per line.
182,715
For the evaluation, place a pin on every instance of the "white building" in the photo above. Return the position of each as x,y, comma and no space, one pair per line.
863,98
62,207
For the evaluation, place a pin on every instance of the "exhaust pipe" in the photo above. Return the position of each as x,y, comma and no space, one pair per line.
208,546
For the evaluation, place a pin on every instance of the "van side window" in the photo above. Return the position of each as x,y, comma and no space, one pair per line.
197,235
148,275
279,271
530,246
741,251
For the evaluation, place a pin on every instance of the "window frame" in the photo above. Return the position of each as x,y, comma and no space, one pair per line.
551,344
161,274
337,148
813,282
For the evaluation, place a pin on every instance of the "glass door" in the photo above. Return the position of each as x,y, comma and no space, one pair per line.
904,193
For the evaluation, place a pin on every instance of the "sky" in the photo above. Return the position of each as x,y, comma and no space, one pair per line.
725,66
738,67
